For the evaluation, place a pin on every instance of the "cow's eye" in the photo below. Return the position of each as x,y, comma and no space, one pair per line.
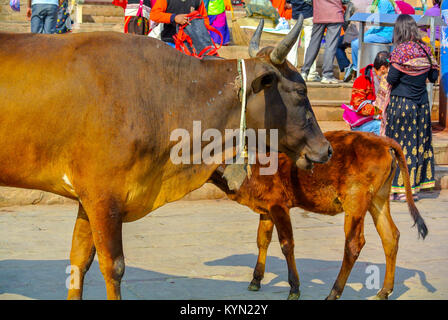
302,91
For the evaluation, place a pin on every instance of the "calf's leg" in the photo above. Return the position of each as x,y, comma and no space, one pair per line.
265,228
81,255
355,211
389,234
282,222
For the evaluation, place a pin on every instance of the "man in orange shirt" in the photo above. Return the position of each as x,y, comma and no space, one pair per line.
172,12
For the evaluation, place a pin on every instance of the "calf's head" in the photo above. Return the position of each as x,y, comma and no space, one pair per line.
277,99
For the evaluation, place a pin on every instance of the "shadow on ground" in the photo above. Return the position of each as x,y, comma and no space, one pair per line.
317,276
45,279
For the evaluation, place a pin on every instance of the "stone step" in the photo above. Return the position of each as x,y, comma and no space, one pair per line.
100,10
330,110
441,177
333,125
15,26
24,27
440,146
326,100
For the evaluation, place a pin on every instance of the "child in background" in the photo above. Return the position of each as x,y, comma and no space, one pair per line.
363,114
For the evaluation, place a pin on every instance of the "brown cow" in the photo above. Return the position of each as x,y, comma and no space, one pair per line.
357,179
89,116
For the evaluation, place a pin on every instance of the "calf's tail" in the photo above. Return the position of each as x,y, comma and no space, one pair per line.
415,214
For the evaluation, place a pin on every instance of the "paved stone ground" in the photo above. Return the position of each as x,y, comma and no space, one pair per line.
207,249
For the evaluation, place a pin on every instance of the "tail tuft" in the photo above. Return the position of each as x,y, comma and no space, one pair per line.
421,227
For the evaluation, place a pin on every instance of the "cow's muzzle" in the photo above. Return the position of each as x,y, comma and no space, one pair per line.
307,159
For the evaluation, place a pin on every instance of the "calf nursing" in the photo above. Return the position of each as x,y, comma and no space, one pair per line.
355,180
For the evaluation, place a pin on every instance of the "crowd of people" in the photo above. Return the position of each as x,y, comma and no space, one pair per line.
389,97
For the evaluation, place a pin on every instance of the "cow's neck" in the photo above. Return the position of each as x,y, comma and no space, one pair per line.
214,101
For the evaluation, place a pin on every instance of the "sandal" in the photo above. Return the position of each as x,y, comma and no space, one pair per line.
398,197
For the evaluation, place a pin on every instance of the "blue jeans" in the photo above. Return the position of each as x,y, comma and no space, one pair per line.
43,18
341,57
371,126
370,38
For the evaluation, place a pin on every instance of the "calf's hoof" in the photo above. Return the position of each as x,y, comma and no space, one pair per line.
333,295
294,295
254,286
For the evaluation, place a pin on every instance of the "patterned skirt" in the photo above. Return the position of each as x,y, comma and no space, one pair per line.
409,124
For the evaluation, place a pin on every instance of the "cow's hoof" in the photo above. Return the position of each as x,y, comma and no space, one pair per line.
294,296
254,286
383,295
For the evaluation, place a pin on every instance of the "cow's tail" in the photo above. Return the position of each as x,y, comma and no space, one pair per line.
418,220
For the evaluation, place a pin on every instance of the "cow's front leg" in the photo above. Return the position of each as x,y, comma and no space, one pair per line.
81,255
265,228
282,222
105,218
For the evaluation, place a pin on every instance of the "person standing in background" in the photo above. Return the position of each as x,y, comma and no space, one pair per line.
327,15
408,114
348,33
300,7
43,15
216,11
174,12
373,35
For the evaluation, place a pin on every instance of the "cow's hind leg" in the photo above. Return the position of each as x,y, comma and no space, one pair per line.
355,211
282,222
389,234
264,236
105,218
81,255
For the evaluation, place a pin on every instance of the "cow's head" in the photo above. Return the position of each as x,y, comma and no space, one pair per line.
277,98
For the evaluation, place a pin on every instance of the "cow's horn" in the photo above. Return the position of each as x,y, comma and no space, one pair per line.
278,55
255,41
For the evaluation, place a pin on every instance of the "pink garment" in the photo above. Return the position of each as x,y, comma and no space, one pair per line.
353,118
328,11
405,8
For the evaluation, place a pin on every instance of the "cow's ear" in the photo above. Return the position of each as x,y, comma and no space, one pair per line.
263,81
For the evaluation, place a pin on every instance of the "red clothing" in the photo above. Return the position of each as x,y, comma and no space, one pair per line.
282,11
120,3
363,93
328,11
159,14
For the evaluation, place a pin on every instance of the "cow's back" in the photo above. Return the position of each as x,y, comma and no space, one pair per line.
360,160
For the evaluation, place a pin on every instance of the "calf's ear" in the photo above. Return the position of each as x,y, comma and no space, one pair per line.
264,81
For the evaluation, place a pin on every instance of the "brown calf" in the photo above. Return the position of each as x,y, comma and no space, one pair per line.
357,179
